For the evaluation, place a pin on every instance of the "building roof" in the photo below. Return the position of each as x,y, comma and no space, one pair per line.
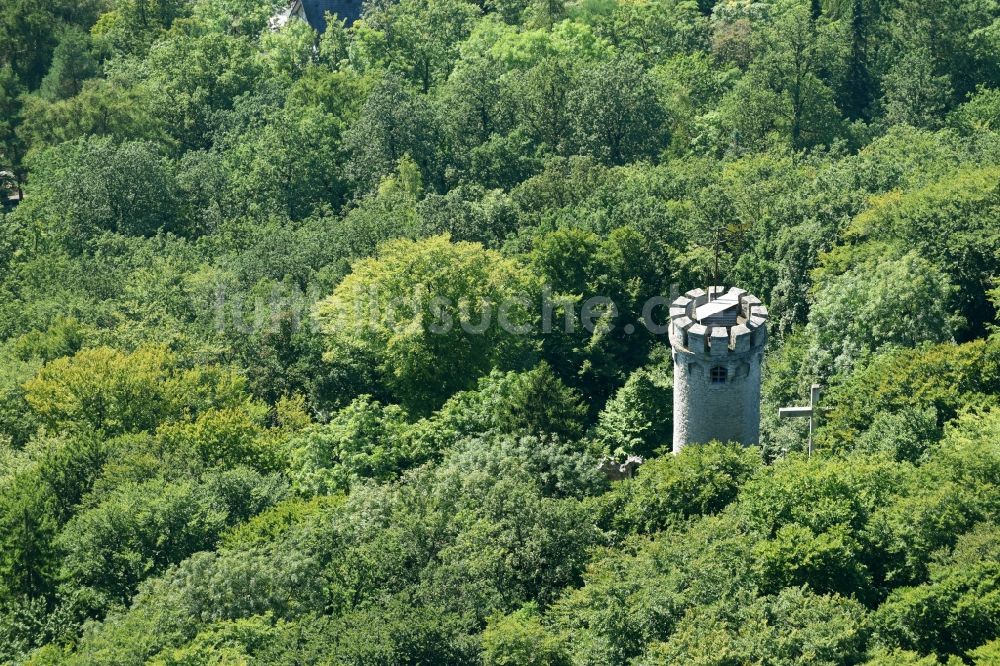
723,311
316,10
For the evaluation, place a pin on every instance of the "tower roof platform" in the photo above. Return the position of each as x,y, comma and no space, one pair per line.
723,311
715,320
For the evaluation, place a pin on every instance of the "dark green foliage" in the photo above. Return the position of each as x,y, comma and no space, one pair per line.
618,117
241,420
31,32
139,529
35,503
137,532
72,64
533,402
955,609
394,122
638,418
94,186
398,631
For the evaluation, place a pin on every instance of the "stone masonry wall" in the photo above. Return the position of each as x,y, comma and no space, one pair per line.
703,410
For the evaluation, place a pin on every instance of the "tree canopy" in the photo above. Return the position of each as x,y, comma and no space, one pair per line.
329,348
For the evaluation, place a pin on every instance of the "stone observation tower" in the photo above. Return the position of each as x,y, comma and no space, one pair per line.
718,340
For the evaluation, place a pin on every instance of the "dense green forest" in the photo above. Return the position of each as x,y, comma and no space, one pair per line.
204,461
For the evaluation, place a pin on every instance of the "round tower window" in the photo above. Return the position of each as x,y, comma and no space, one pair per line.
719,375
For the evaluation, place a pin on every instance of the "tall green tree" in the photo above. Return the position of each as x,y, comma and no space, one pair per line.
72,64
617,116
862,310
11,150
430,317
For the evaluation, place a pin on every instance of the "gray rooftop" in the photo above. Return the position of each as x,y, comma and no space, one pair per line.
723,311
316,10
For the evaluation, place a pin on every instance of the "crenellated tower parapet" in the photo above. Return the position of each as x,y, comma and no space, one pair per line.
718,338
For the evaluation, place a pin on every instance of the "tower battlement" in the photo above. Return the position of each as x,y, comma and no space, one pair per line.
718,322
718,338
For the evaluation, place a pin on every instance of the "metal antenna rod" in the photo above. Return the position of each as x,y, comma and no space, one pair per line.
715,277
718,239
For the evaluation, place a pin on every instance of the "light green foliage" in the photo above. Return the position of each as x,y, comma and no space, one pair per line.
422,38
950,223
223,643
277,522
64,338
986,653
901,658
224,438
661,29
289,51
825,542
133,25
365,440
519,639
116,393
980,113
871,306
792,627
195,77
384,315
944,377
